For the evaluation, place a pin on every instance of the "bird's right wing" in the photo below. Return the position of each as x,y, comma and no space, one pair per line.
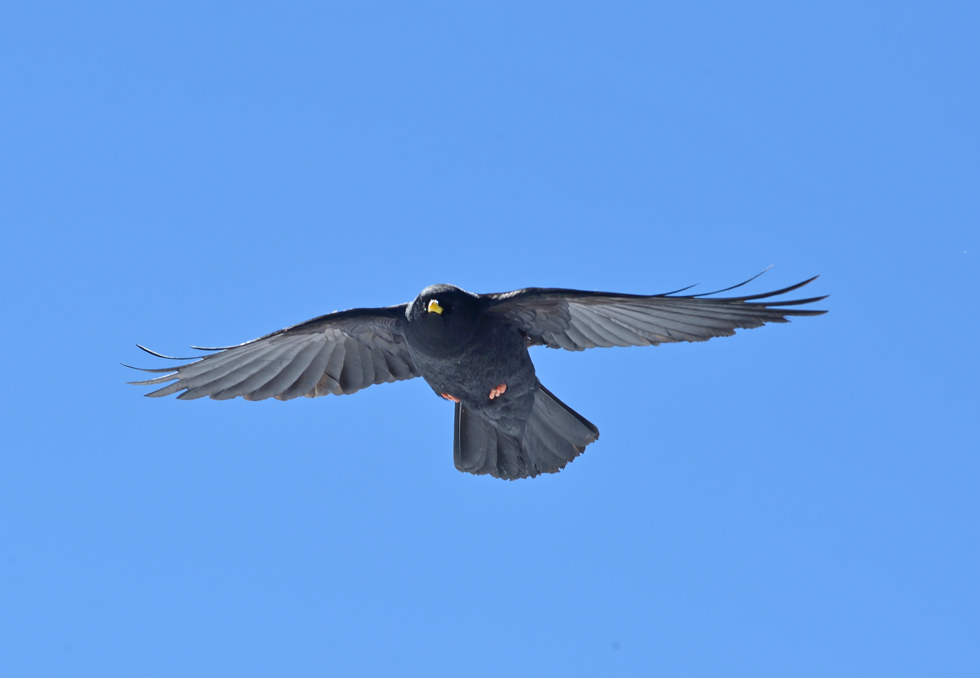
338,353
576,320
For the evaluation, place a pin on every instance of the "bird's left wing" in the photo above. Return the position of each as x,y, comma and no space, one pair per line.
576,320
338,353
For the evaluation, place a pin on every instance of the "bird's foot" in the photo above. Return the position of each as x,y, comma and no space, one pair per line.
451,397
498,391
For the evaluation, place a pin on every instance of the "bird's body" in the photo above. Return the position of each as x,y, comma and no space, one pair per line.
471,349
464,351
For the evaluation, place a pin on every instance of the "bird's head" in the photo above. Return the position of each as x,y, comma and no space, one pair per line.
443,301
446,309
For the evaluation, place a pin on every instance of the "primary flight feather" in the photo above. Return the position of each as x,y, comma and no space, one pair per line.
472,349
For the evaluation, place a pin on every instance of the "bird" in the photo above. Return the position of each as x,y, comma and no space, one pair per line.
472,350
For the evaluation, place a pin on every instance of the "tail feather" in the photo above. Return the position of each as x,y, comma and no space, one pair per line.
511,447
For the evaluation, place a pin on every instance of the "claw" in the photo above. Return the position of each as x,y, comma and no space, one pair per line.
498,391
450,397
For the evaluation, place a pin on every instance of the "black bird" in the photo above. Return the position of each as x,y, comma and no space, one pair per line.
472,350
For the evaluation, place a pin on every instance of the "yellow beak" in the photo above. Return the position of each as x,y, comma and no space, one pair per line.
434,307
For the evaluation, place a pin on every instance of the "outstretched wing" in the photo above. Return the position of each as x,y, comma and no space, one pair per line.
577,320
338,353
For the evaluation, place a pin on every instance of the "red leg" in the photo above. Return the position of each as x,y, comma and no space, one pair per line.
498,391
450,397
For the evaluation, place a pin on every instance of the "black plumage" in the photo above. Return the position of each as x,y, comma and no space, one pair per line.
472,349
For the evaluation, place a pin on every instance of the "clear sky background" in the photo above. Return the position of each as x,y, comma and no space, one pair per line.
798,500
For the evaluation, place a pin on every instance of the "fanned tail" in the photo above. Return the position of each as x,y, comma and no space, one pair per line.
512,447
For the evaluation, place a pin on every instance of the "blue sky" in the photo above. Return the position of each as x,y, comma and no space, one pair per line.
797,500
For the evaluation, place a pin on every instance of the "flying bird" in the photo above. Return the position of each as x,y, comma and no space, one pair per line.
472,349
